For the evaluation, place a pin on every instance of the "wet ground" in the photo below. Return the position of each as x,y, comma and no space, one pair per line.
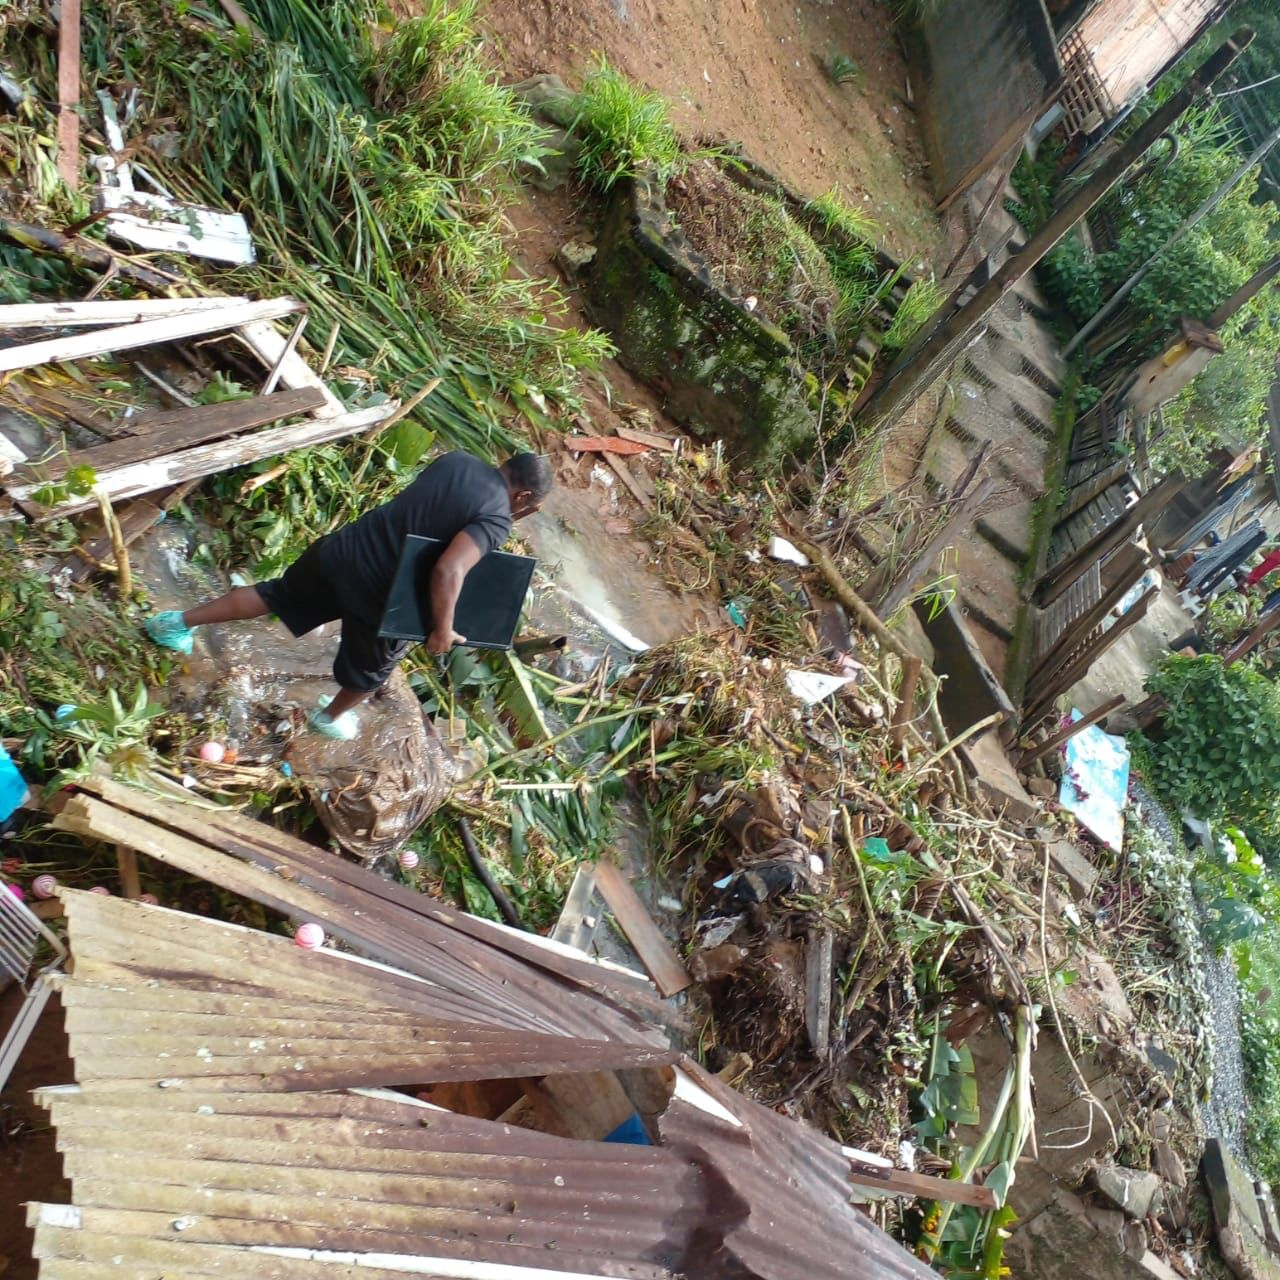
603,576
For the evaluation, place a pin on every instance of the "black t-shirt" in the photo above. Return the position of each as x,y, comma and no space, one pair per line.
456,493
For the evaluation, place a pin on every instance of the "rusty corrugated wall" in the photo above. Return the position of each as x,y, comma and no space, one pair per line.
202,1139
1132,40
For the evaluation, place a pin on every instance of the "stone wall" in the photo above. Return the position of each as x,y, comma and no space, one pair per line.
722,371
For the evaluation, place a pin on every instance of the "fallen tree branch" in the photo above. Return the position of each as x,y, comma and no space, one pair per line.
504,904
866,616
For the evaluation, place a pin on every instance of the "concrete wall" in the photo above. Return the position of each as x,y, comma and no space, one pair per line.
981,70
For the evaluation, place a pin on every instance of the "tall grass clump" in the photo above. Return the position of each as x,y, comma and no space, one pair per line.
848,241
920,301
374,170
623,129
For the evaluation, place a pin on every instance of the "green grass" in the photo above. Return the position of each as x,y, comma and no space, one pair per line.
841,69
375,169
624,130
919,303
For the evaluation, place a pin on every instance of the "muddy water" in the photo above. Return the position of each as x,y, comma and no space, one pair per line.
604,576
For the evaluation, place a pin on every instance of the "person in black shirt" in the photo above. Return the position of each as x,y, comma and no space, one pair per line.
463,502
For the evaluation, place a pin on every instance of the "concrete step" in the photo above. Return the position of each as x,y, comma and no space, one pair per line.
1033,405
1007,524
1017,454
1008,529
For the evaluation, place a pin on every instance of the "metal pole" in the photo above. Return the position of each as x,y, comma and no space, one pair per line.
1200,214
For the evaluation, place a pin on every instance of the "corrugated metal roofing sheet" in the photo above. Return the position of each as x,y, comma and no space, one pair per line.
504,976
187,1159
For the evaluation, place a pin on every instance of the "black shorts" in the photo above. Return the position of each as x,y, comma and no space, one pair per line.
303,598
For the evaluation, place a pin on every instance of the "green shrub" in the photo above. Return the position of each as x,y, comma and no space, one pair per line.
1216,751
623,130
922,299
841,69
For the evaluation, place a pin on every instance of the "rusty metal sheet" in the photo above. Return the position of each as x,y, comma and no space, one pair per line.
351,1024
212,1155
523,981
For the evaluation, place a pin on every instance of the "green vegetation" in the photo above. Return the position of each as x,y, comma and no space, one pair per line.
1216,752
624,131
1225,406
841,69
920,302
375,173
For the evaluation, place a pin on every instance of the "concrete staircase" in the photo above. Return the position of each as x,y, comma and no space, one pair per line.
1004,390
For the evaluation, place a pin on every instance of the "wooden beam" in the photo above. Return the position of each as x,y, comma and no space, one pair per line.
169,432
137,517
1069,731
127,861
127,337
69,93
1096,485
921,1186
1076,631
57,315
655,952
914,576
272,348
1061,575
910,377
192,464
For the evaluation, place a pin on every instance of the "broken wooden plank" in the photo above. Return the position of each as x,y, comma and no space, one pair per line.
55,315
664,444
69,93
290,345
191,464
127,337
644,493
174,430
603,444
655,952
157,223
579,915
819,961
270,346
135,518
922,1186
1068,731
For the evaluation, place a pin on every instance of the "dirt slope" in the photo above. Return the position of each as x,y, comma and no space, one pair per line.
750,71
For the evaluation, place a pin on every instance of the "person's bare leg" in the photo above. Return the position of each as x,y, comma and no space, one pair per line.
344,700
236,606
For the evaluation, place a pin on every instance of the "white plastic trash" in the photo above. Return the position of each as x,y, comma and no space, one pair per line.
813,686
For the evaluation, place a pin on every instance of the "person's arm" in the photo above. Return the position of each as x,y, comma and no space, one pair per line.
459,558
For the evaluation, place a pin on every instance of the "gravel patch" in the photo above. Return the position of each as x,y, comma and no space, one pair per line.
1223,1113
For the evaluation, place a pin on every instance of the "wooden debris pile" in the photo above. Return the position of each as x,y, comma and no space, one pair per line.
147,461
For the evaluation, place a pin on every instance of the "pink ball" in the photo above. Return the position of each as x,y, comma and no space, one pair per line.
149,898
212,752
44,886
309,936
101,889
16,890
408,859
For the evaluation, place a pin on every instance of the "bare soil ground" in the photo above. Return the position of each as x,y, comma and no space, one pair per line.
750,71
